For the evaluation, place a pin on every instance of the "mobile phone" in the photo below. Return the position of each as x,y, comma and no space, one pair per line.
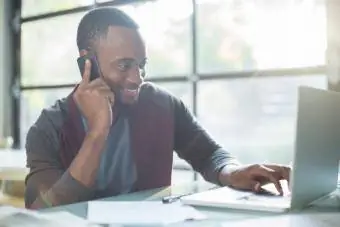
95,70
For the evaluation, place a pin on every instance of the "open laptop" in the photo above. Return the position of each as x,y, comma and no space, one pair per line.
315,165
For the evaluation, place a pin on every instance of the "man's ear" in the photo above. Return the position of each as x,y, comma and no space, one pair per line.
82,52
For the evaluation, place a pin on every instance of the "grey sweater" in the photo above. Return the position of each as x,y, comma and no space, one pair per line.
49,182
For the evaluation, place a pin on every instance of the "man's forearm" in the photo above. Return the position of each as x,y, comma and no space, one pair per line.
225,173
220,162
76,184
84,167
66,190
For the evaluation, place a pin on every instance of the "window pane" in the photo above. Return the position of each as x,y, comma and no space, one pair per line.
49,51
32,103
181,90
238,35
167,35
254,118
35,7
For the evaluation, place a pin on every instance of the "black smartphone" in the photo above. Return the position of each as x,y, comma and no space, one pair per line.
95,70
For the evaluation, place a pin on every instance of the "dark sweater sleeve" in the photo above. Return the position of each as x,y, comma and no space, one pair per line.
48,183
194,144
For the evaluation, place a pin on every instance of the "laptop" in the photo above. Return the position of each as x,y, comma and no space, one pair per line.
315,163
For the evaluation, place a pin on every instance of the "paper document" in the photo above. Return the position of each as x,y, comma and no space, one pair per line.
293,220
140,213
15,217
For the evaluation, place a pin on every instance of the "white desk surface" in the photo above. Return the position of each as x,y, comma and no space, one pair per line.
216,216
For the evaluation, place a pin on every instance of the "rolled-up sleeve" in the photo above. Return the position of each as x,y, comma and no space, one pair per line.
195,145
48,183
217,161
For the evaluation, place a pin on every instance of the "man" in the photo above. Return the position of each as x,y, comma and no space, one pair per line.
116,134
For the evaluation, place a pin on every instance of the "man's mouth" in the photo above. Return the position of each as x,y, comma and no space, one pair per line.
130,92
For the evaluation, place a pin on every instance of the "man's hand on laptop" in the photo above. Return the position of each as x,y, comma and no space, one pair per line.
252,177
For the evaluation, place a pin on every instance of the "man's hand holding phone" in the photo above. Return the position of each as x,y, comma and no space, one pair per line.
95,100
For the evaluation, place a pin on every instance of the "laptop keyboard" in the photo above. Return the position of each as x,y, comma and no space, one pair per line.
266,198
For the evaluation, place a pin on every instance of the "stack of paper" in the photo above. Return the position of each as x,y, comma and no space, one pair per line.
140,213
14,217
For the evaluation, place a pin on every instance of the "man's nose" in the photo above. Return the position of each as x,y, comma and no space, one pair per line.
136,76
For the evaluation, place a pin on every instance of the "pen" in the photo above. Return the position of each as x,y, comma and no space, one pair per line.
172,198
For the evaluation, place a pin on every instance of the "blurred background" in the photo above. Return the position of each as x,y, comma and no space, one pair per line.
236,64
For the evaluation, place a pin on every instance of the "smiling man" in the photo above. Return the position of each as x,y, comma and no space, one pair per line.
116,134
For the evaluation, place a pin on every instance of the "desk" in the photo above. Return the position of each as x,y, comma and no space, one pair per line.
12,175
215,215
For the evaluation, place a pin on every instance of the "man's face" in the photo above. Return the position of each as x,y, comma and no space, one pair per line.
122,58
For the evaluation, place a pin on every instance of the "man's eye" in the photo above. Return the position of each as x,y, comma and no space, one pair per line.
124,67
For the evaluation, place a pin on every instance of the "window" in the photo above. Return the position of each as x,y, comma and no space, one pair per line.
254,118
49,51
238,35
167,40
36,7
212,56
33,102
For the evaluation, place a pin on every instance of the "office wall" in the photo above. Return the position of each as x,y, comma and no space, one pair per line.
5,66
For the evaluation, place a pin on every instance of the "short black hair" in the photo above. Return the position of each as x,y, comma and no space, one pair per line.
96,22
